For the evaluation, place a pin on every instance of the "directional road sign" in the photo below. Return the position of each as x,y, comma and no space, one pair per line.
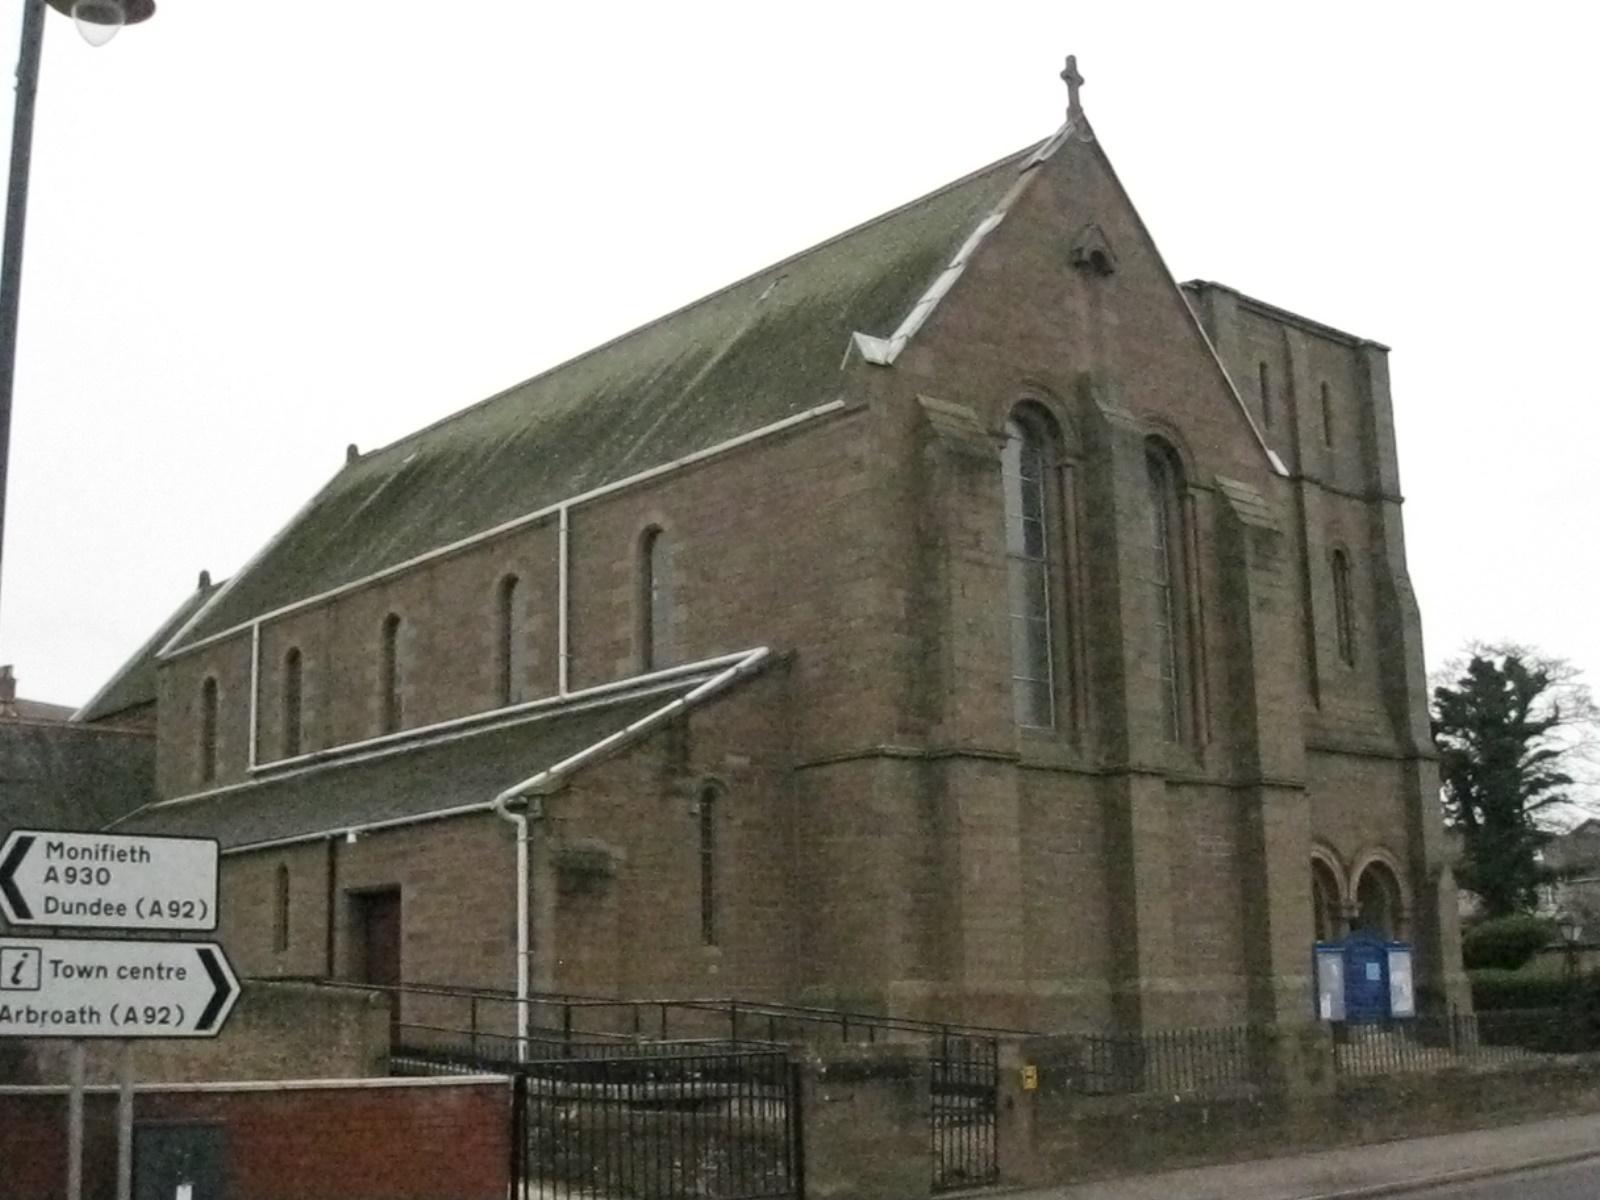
100,988
108,881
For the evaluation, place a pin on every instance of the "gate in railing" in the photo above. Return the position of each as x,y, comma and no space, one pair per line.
665,1120
964,1092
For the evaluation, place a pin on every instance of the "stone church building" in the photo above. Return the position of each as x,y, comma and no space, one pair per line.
961,618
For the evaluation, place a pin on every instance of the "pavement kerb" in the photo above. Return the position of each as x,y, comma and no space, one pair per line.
1416,1183
1367,1191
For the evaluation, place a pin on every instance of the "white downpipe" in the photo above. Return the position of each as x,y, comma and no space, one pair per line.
747,663
563,636
255,693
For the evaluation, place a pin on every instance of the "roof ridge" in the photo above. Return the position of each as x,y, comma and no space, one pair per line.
852,231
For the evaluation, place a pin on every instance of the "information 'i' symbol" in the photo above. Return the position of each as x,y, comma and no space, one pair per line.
16,972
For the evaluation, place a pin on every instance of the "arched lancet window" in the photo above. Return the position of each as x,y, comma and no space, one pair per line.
1378,904
510,667
1265,375
1168,584
208,730
656,646
1327,912
709,803
389,674
1327,416
292,717
280,909
1029,570
1343,617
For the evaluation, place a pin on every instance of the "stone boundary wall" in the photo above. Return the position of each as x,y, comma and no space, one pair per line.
277,1031
395,1139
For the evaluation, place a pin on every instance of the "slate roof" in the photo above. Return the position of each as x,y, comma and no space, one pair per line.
134,683
754,353
471,769
56,775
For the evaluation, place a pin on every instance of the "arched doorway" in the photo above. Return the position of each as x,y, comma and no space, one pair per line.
1327,902
1379,908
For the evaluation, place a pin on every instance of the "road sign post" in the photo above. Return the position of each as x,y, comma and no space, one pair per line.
83,988
108,881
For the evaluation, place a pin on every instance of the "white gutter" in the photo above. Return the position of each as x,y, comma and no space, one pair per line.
677,464
747,664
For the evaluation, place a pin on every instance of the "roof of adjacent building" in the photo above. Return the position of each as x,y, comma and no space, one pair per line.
763,349
463,769
58,775
134,683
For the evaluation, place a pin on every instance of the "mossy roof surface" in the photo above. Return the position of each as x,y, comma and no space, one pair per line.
135,681
756,352
467,770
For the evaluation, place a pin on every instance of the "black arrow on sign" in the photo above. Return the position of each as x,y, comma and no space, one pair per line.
219,998
8,870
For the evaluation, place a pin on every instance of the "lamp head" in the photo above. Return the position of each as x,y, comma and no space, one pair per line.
99,20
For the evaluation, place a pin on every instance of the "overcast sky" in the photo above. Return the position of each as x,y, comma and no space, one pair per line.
260,232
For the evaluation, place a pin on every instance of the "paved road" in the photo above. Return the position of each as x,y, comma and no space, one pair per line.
1576,1181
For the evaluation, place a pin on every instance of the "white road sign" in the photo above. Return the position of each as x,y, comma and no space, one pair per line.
100,988
108,881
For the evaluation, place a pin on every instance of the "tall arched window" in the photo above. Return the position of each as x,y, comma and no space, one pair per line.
1379,907
1327,416
656,644
708,865
1344,620
1265,375
1028,567
1168,584
389,674
1327,915
509,663
208,730
292,702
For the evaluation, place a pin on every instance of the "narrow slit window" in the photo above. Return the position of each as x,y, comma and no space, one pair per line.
280,910
389,674
656,646
208,731
708,867
1344,620
1265,376
1327,416
1028,570
292,702
510,672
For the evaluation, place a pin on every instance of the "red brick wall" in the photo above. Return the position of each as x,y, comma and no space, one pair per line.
400,1140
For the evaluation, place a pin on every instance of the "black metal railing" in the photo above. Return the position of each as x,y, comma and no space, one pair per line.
1216,1060
721,1123
1429,1043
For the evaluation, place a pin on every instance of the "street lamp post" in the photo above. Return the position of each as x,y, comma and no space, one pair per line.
98,21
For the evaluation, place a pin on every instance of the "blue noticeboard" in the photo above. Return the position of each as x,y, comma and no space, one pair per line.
1363,979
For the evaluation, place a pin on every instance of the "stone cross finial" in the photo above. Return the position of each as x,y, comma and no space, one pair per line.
1074,81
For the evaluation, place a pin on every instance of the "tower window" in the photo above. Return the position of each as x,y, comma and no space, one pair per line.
1327,416
1343,618
1028,570
1168,585
1265,377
